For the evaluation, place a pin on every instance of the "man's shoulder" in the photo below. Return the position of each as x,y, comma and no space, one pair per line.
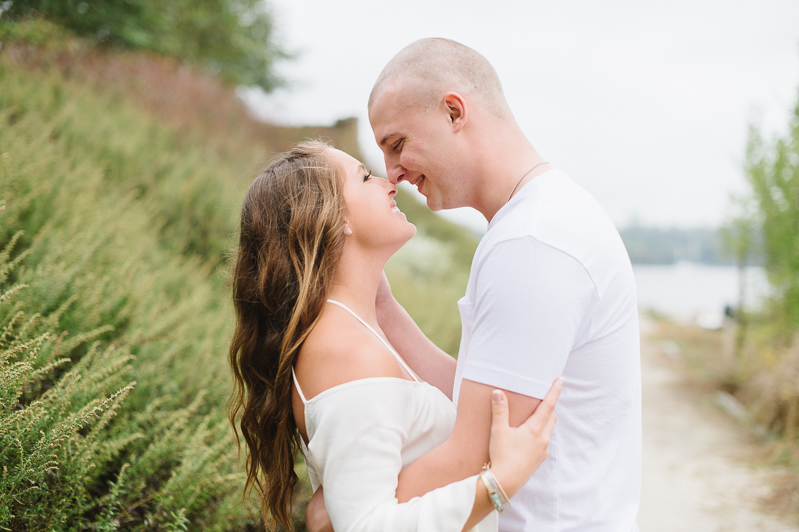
560,214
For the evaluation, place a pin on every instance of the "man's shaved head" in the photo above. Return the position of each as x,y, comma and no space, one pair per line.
426,69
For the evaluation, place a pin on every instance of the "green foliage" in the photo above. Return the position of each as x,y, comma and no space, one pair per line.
113,229
772,170
108,278
38,32
764,370
429,274
135,157
43,446
232,37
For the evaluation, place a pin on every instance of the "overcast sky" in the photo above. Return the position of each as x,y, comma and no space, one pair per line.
645,104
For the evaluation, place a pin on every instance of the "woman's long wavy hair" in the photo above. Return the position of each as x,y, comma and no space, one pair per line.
292,234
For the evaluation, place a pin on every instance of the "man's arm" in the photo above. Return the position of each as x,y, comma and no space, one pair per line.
462,455
466,450
531,439
423,356
529,303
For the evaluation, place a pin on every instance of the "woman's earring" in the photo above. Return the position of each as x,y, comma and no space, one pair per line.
348,231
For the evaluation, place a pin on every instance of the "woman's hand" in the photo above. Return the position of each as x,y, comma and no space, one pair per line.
516,453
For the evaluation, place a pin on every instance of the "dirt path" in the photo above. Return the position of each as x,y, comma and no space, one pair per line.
697,464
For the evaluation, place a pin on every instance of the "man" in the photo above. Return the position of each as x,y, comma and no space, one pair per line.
551,293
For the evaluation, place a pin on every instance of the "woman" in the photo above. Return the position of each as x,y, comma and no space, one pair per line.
314,372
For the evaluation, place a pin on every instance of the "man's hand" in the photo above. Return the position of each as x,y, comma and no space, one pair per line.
467,448
517,452
316,516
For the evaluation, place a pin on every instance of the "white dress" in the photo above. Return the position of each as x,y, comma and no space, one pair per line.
362,433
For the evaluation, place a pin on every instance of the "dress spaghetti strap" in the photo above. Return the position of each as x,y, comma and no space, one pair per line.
388,345
297,384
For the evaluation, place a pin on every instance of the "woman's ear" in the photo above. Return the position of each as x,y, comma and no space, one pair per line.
347,230
456,110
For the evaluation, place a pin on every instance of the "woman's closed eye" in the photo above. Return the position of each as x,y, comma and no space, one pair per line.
367,176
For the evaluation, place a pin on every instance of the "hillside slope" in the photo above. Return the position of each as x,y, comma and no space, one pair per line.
120,180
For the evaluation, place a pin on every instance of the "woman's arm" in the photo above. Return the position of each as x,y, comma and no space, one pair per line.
469,445
356,449
515,454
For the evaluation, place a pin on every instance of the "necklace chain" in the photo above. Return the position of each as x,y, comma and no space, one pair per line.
522,177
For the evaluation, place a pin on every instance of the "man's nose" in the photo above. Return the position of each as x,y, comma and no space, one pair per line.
396,172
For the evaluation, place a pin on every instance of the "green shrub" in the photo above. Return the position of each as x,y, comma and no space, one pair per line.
43,446
108,257
234,38
772,170
114,229
764,373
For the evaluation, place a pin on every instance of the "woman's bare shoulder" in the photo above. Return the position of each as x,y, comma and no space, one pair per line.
338,351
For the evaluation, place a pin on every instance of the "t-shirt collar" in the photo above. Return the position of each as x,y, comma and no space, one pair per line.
527,189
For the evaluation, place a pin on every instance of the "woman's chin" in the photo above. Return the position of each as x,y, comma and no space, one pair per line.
406,237
412,233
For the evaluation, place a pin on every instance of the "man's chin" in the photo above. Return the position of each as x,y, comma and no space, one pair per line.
433,204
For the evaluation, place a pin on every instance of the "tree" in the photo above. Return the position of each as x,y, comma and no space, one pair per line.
233,38
772,170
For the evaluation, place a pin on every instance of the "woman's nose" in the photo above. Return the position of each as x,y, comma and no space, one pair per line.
392,188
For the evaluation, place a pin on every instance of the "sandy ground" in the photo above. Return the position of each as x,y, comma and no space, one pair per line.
698,472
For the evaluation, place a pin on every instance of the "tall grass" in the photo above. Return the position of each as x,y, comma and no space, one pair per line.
114,220
200,111
96,199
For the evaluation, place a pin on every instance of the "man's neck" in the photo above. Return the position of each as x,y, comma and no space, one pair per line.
502,160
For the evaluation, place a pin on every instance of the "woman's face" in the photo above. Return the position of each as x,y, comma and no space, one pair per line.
372,214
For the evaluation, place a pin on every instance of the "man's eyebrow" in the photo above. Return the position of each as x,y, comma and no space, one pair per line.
385,139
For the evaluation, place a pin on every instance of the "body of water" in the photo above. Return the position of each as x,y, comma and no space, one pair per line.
697,292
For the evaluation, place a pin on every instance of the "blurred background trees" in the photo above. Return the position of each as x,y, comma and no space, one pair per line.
764,373
234,38
772,169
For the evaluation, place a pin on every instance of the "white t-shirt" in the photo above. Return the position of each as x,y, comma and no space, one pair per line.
551,293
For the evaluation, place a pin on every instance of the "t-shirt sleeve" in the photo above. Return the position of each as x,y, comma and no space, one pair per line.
356,450
532,302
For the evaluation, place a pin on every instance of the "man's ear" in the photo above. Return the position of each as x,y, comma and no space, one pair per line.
456,110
